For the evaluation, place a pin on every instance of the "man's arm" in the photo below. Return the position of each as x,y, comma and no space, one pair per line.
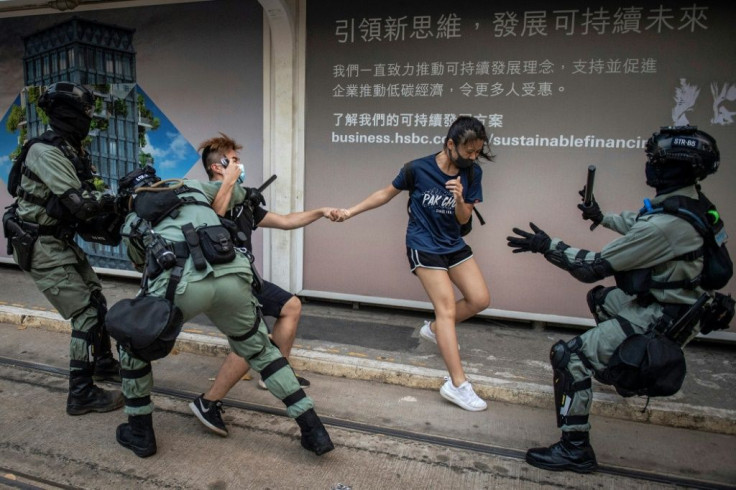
293,220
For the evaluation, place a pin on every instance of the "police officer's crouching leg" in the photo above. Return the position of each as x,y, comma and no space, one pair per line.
137,434
573,395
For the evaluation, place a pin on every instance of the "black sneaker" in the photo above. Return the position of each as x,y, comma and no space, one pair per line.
208,412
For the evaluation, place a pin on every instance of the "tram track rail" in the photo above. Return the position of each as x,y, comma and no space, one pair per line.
30,482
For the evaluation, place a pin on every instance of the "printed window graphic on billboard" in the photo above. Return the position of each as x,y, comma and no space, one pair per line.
121,132
558,87
106,52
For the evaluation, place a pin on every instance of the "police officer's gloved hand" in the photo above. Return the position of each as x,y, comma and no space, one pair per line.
254,197
107,203
537,242
591,212
122,204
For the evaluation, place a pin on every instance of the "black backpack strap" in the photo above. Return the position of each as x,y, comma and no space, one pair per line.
409,175
471,178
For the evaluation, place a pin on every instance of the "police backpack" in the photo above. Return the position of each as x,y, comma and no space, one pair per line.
717,264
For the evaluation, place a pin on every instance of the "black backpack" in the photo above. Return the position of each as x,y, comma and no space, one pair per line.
703,216
467,227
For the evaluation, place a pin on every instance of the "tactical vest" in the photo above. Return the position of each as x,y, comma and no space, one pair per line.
82,167
717,265
205,244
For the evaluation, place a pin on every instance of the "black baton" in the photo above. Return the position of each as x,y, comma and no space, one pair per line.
588,197
267,183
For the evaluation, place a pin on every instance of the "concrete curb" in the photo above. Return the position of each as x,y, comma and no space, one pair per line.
659,411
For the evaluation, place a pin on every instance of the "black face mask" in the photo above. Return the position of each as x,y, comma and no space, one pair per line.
669,177
70,123
461,162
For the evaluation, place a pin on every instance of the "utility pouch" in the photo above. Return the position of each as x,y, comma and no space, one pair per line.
192,238
147,326
216,244
634,282
646,364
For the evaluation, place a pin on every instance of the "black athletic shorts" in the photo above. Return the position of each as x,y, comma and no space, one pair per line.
272,299
437,261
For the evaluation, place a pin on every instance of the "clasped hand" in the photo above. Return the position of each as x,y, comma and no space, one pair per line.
537,242
339,215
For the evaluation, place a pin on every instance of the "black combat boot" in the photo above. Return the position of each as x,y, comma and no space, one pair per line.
314,436
573,452
107,369
137,435
85,397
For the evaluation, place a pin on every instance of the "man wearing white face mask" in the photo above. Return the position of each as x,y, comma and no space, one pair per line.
221,160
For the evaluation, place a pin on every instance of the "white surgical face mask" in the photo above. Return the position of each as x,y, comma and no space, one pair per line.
241,177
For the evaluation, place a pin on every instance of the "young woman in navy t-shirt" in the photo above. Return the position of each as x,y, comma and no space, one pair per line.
443,189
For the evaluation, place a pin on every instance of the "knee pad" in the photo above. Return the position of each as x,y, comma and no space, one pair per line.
564,384
596,297
559,355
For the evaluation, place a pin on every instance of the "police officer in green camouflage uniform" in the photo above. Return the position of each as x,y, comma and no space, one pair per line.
55,199
661,244
223,292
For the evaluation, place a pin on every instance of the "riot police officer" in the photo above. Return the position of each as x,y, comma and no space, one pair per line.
56,199
657,270
188,257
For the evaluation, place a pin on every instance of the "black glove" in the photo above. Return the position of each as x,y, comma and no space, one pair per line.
122,204
254,197
537,242
592,212
107,203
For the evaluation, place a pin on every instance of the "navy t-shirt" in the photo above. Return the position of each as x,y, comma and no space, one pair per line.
433,227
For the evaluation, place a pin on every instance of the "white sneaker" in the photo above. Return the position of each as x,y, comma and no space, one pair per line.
427,334
262,384
462,396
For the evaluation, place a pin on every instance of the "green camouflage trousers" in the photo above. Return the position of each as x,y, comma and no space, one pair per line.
229,303
598,344
69,288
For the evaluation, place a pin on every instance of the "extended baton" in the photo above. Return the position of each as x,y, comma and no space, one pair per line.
588,198
267,183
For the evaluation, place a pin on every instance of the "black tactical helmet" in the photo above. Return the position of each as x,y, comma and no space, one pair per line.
144,176
674,145
70,94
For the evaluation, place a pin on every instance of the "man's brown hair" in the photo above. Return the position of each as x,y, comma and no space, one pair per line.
214,149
